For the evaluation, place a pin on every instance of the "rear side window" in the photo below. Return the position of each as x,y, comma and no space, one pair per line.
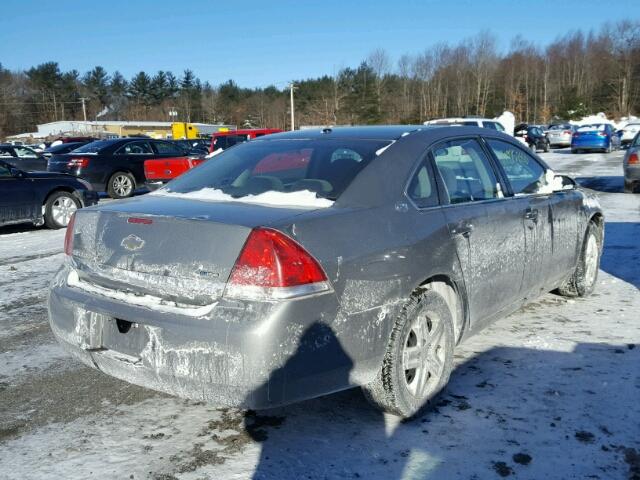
135,148
422,189
325,167
94,147
525,174
166,148
494,126
466,171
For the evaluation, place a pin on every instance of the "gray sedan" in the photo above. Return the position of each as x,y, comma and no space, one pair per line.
631,166
309,262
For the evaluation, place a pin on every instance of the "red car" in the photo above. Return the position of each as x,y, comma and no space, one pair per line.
162,170
224,140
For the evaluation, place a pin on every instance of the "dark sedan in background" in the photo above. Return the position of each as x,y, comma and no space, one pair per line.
114,166
41,197
534,136
304,263
23,158
62,148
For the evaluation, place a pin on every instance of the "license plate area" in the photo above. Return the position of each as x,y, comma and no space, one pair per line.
117,338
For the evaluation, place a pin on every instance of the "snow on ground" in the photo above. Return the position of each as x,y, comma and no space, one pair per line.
551,391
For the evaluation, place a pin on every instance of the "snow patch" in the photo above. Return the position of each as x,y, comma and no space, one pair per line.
303,198
508,121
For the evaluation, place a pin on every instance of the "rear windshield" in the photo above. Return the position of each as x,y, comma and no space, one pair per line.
325,167
592,128
94,147
560,127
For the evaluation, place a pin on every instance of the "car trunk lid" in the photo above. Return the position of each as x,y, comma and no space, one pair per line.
175,249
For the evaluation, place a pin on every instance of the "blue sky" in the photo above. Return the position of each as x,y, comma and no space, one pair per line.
257,43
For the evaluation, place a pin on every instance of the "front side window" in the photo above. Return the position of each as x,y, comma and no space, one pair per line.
525,174
135,148
320,166
466,171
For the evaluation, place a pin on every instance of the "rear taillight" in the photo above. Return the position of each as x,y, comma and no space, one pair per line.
272,265
602,134
567,132
576,135
633,159
78,162
68,236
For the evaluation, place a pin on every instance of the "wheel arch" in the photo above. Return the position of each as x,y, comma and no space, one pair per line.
455,297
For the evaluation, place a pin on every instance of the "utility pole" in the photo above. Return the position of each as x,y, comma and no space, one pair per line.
84,108
293,117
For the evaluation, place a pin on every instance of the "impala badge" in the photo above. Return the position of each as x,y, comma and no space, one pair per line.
132,243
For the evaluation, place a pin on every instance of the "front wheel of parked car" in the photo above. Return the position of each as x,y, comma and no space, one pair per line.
121,185
419,357
59,208
583,280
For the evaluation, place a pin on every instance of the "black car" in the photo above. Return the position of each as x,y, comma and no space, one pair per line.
62,148
534,136
114,166
23,157
196,146
41,197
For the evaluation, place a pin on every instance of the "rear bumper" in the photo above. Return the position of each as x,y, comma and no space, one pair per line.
594,144
560,141
241,353
632,174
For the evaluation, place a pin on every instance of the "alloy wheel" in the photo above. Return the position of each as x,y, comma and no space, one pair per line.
122,185
591,260
62,209
423,355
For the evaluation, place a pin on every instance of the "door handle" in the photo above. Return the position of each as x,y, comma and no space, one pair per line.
464,229
531,214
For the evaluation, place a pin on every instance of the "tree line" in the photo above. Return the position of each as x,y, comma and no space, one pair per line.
577,74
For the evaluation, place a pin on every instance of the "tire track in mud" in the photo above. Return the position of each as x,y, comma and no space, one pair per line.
27,258
44,398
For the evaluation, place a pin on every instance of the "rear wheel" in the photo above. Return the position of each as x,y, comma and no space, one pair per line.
547,146
533,148
419,357
583,280
121,185
59,208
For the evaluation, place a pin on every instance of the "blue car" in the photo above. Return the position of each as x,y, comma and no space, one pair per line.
601,136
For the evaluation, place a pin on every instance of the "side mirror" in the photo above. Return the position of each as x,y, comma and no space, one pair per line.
562,182
16,173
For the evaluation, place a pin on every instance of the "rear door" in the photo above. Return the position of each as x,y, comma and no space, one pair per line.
17,198
532,198
132,155
485,227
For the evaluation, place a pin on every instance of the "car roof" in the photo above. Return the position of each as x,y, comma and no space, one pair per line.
378,132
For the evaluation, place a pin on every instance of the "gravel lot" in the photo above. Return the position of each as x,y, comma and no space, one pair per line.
551,391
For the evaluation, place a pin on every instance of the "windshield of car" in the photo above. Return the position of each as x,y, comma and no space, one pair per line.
325,167
94,147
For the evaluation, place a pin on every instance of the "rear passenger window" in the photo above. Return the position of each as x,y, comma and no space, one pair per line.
422,189
466,171
525,174
135,148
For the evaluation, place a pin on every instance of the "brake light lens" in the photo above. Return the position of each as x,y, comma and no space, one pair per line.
78,162
68,236
567,132
633,159
273,266
602,134
576,135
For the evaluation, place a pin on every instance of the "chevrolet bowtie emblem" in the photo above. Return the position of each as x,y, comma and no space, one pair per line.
132,243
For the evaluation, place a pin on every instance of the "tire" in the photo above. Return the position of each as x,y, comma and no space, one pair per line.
533,148
628,187
609,149
582,281
574,150
58,209
398,389
547,147
121,185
